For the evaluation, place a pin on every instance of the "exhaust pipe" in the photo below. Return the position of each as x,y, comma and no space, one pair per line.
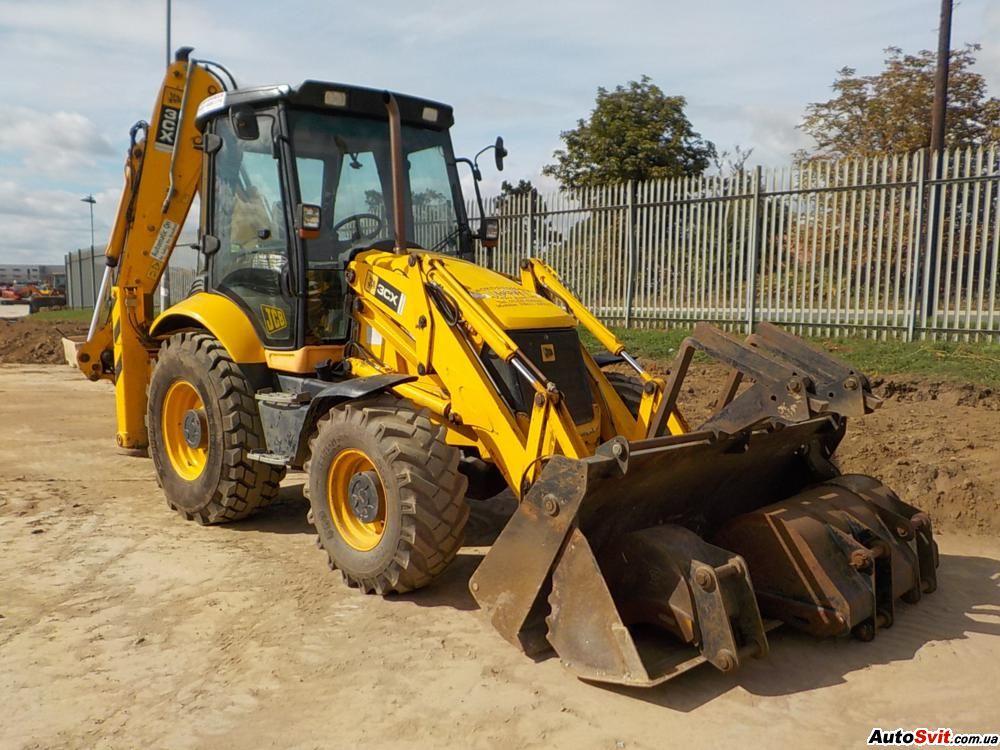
396,155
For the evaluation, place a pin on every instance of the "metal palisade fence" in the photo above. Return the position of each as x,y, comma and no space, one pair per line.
873,247
84,269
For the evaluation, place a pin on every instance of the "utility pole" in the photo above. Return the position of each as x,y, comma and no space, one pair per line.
168,32
940,106
938,128
165,278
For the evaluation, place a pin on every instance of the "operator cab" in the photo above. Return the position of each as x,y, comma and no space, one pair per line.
298,180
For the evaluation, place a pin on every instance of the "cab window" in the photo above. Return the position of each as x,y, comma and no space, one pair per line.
248,218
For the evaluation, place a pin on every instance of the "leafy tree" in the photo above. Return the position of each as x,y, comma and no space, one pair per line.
891,111
523,187
421,199
428,198
732,163
376,204
635,132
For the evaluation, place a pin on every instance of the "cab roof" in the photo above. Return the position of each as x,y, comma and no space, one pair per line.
331,97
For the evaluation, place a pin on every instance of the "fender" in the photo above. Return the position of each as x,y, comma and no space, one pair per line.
289,415
218,315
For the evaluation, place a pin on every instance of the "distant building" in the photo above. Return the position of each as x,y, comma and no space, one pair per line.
21,273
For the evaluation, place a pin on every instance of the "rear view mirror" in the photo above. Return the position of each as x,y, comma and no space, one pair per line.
244,122
499,152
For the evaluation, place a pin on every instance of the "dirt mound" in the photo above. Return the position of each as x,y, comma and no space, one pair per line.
935,443
35,342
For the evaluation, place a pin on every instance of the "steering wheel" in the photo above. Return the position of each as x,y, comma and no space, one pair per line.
356,220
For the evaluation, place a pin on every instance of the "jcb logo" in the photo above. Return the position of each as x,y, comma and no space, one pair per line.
274,319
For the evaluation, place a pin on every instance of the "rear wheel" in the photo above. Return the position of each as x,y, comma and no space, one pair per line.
202,421
385,494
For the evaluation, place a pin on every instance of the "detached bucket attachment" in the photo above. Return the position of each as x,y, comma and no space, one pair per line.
650,558
834,559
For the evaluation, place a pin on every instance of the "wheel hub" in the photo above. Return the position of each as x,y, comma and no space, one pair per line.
194,427
363,493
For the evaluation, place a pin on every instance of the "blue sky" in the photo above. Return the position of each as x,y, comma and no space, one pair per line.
78,74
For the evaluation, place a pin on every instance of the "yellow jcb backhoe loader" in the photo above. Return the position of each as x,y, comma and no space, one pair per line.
339,324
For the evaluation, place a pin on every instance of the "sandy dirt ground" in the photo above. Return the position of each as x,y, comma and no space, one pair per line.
123,626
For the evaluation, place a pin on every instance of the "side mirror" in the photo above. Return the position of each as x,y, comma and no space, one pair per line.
244,122
499,152
489,232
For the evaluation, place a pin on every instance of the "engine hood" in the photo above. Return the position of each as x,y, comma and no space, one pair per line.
513,305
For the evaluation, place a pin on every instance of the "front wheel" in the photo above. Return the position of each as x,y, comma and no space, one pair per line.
385,494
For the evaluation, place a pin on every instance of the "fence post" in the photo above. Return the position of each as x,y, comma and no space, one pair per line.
631,248
79,268
754,243
531,223
916,250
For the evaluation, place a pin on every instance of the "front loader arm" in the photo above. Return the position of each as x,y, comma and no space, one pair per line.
540,278
436,336
162,173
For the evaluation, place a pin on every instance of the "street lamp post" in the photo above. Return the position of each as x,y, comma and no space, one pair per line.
93,282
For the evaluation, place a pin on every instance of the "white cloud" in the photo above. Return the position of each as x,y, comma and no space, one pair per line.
51,143
79,74
989,58
41,226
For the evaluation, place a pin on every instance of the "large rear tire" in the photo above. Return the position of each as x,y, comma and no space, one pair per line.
385,494
202,422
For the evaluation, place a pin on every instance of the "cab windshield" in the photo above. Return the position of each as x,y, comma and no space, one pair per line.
343,165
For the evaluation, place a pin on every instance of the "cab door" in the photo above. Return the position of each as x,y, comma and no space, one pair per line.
248,217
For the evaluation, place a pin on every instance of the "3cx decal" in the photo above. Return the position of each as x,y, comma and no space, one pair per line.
389,295
169,122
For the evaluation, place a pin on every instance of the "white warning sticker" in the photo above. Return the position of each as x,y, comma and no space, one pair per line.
164,240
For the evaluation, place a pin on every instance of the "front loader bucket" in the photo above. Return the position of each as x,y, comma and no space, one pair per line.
652,557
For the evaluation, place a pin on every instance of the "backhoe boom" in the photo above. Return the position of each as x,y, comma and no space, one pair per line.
162,174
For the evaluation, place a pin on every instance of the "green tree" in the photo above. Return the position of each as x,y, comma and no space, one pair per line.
635,132
890,112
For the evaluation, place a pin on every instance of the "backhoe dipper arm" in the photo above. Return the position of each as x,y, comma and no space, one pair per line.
162,174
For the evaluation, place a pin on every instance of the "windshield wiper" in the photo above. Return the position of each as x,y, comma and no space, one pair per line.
448,238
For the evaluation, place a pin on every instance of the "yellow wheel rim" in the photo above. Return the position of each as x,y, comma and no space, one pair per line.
187,450
356,497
